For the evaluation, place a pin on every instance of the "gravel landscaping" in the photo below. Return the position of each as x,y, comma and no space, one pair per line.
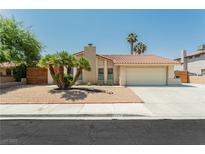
40,94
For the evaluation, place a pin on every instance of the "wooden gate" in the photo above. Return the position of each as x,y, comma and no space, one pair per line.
183,75
36,75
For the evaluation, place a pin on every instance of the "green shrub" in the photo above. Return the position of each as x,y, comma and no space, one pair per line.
19,72
67,80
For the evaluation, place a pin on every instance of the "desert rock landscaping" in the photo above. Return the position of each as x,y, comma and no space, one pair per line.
44,94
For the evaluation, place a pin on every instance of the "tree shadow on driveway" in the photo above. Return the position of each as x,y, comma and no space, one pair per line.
74,95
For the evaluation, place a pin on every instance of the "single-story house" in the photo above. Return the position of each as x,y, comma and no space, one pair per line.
145,69
6,72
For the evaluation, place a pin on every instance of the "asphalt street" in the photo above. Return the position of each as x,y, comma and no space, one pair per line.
102,132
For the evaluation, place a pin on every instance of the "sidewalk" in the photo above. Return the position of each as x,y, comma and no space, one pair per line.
73,110
85,112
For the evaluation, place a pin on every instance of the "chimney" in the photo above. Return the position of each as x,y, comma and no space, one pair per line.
90,54
90,49
184,60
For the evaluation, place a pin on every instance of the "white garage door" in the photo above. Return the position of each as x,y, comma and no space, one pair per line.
146,76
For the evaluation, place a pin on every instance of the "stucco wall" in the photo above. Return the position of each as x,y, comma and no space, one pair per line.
110,64
196,64
116,71
171,71
171,76
50,79
100,62
122,76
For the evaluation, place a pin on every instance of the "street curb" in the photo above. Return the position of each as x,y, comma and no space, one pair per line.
68,115
95,117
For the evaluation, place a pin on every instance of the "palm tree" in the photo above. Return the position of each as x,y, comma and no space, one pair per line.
63,59
140,48
49,61
132,38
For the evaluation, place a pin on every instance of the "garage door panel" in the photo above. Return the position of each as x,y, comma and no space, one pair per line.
146,76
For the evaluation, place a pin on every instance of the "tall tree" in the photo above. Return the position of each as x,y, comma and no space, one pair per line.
140,48
132,38
17,43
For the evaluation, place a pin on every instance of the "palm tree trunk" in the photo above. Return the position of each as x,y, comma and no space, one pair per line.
79,72
131,48
61,76
52,72
68,70
51,69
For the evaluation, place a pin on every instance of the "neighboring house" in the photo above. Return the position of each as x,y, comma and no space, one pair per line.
193,62
6,72
126,69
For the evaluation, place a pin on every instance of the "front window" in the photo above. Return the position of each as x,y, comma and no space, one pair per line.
100,74
110,73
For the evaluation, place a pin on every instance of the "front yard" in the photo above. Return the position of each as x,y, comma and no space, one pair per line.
40,94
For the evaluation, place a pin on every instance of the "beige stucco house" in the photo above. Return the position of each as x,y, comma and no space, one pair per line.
126,69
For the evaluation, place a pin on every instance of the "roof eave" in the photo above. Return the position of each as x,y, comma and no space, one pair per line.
132,64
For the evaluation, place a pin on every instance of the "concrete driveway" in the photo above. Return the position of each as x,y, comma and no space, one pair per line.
187,100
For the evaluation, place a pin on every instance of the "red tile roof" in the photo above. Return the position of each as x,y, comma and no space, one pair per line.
135,59
79,53
139,59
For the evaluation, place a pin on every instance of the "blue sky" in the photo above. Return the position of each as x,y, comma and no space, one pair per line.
165,32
